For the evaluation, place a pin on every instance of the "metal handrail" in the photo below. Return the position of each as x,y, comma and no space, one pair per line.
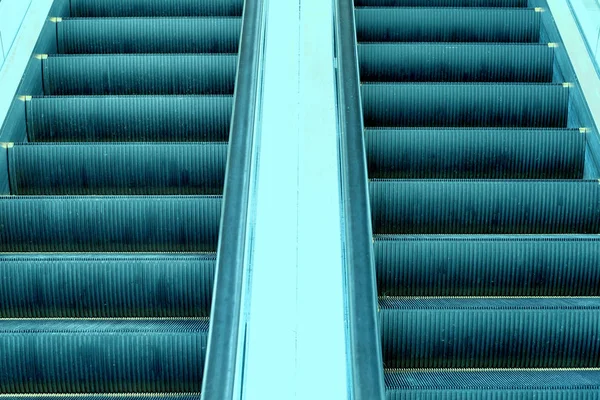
219,381
364,341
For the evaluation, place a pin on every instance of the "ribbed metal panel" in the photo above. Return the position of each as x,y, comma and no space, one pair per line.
487,265
493,384
101,224
129,118
105,396
440,3
100,356
118,168
155,8
105,285
515,379
472,105
490,333
148,35
380,24
139,74
458,62
475,153
493,394
480,207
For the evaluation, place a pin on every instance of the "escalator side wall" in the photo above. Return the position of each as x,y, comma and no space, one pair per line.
579,113
14,128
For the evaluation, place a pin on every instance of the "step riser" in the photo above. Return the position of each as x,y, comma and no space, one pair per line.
129,119
155,8
117,169
96,224
139,75
105,286
512,338
148,35
426,62
475,154
447,25
485,207
427,105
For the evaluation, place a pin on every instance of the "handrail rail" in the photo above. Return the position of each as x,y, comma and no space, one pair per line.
365,359
219,379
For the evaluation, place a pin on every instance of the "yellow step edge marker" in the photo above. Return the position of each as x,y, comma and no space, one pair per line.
553,45
55,19
539,9
41,56
25,98
567,85
584,130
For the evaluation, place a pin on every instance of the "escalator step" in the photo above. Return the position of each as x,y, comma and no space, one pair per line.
439,3
117,168
129,118
489,105
388,24
155,8
109,224
148,35
106,285
475,153
582,384
139,74
490,332
487,265
485,207
436,62
100,356
104,396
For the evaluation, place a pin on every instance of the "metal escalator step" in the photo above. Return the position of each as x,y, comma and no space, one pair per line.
100,356
109,224
104,396
105,285
508,384
485,207
389,24
155,8
139,74
129,118
473,105
117,168
490,332
489,153
439,3
148,35
459,62
490,265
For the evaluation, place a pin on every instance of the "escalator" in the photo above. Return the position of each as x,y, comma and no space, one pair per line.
115,160
470,168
